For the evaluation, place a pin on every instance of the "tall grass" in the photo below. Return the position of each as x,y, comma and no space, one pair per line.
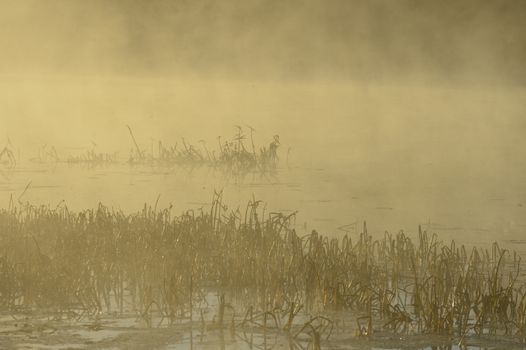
155,263
92,157
46,154
7,156
238,154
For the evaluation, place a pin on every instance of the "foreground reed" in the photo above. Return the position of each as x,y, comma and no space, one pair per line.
154,263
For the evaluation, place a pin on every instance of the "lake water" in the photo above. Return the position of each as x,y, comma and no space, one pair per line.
449,159
469,209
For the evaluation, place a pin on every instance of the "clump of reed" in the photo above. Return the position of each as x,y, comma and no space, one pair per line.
46,154
233,154
7,156
155,263
92,157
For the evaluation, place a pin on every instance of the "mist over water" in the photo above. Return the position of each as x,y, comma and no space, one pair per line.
387,115
414,106
369,41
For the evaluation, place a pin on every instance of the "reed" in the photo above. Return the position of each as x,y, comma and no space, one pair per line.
235,155
46,154
92,157
165,266
7,156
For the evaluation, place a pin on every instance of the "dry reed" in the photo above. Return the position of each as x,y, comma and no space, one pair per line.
155,263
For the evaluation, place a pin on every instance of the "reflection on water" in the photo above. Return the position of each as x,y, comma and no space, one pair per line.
334,201
473,209
109,335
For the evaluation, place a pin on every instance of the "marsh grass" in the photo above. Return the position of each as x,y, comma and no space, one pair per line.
7,156
93,157
163,267
46,154
238,154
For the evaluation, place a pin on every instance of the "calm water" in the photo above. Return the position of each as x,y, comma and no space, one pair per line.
449,160
470,209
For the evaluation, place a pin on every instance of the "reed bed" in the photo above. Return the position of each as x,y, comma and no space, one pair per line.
92,157
46,154
156,264
7,156
236,154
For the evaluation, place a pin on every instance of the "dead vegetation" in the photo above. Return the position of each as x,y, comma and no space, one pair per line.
46,154
93,157
7,156
266,275
236,155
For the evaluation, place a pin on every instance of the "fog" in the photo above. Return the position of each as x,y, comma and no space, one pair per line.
171,170
378,41
411,93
